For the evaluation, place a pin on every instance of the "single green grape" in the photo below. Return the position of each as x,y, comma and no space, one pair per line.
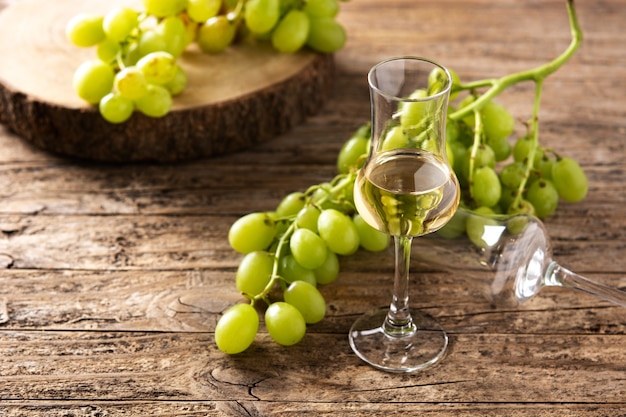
512,174
321,8
542,194
252,232
173,31
164,8
338,231
484,157
107,50
477,227
307,299
157,101
329,271
307,218
291,32
119,23
284,323
178,83
454,228
291,204
485,188
308,248
326,35
202,10
131,83
412,113
498,123
290,270
254,273
395,138
216,34
236,329
501,148
93,80
150,41
158,67
570,180
521,149
370,239
85,30
116,109
261,15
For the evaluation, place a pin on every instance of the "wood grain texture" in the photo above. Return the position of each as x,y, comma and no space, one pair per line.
114,276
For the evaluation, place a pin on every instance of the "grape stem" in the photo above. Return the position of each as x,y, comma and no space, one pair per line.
339,184
498,85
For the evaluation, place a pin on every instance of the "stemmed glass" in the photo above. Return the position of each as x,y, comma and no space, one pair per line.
508,257
405,189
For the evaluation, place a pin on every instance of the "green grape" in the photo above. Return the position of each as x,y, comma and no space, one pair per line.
458,151
254,273
485,188
131,83
93,80
284,323
478,226
453,131
328,272
570,180
412,113
456,81
308,249
157,101
216,34
454,228
501,148
191,32
178,83
395,138
202,10
542,194
507,198
498,123
338,231
173,31
252,232
85,30
321,8
370,239
158,67
326,35
261,15
107,50
236,329
291,32
522,207
521,149
543,164
130,53
512,175
119,23
291,204
307,299
150,41
291,271
307,218
164,8
484,157
352,154
116,109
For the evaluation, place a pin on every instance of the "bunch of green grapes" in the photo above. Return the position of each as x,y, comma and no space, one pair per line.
136,66
287,254
501,174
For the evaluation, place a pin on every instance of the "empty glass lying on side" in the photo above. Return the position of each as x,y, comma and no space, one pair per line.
512,255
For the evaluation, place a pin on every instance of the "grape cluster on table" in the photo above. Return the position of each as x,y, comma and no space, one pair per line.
136,62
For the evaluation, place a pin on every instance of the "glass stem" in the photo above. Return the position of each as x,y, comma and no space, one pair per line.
399,322
556,275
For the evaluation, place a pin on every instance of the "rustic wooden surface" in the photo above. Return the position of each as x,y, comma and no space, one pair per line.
114,276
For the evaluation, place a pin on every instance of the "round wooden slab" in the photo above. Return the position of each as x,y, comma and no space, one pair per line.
246,95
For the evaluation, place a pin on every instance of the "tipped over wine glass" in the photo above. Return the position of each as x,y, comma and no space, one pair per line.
511,255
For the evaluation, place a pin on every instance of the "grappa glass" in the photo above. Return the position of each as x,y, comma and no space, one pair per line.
405,189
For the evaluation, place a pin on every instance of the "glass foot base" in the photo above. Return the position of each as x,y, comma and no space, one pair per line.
419,349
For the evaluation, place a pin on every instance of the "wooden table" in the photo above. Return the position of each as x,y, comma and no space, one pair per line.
113,277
